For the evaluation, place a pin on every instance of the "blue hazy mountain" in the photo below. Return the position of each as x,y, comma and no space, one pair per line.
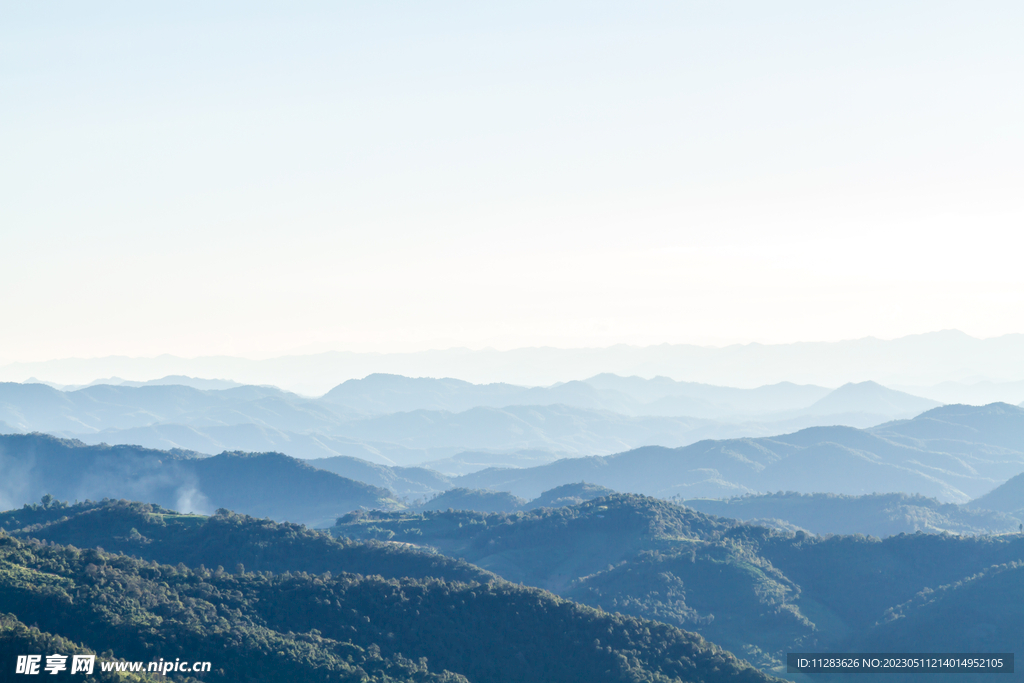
1008,497
404,481
470,499
37,407
263,484
880,515
383,394
871,398
976,393
951,453
918,456
600,416
992,429
665,396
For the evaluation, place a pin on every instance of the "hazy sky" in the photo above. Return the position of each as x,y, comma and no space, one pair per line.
258,178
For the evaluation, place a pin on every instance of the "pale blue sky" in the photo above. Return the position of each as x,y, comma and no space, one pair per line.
254,178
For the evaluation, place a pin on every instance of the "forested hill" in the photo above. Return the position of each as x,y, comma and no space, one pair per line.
300,627
225,539
756,591
18,639
264,484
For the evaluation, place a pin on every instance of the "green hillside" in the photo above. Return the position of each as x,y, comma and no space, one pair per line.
725,591
980,613
299,627
884,573
757,591
226,539
546,547
18,639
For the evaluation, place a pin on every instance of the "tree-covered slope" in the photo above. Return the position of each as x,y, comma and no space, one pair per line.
624,553
18,639
758,591
723,590
300,627
979,613
225,539
546,547
848,582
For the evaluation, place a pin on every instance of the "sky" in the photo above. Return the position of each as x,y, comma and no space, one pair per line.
257,179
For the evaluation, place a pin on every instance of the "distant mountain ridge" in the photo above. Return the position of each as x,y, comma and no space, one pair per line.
437,419
634,396
914,360
941,454
952,454
871,397
878,515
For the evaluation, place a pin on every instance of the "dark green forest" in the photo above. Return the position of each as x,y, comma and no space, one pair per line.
278,623
756,591
636,586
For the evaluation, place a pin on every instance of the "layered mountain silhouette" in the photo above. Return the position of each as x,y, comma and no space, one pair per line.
952,453
405,421
880,515
931,455
265,484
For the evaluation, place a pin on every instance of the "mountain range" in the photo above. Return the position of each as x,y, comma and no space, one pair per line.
951,455
409,421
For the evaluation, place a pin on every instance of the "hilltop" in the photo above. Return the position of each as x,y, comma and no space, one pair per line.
157,534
